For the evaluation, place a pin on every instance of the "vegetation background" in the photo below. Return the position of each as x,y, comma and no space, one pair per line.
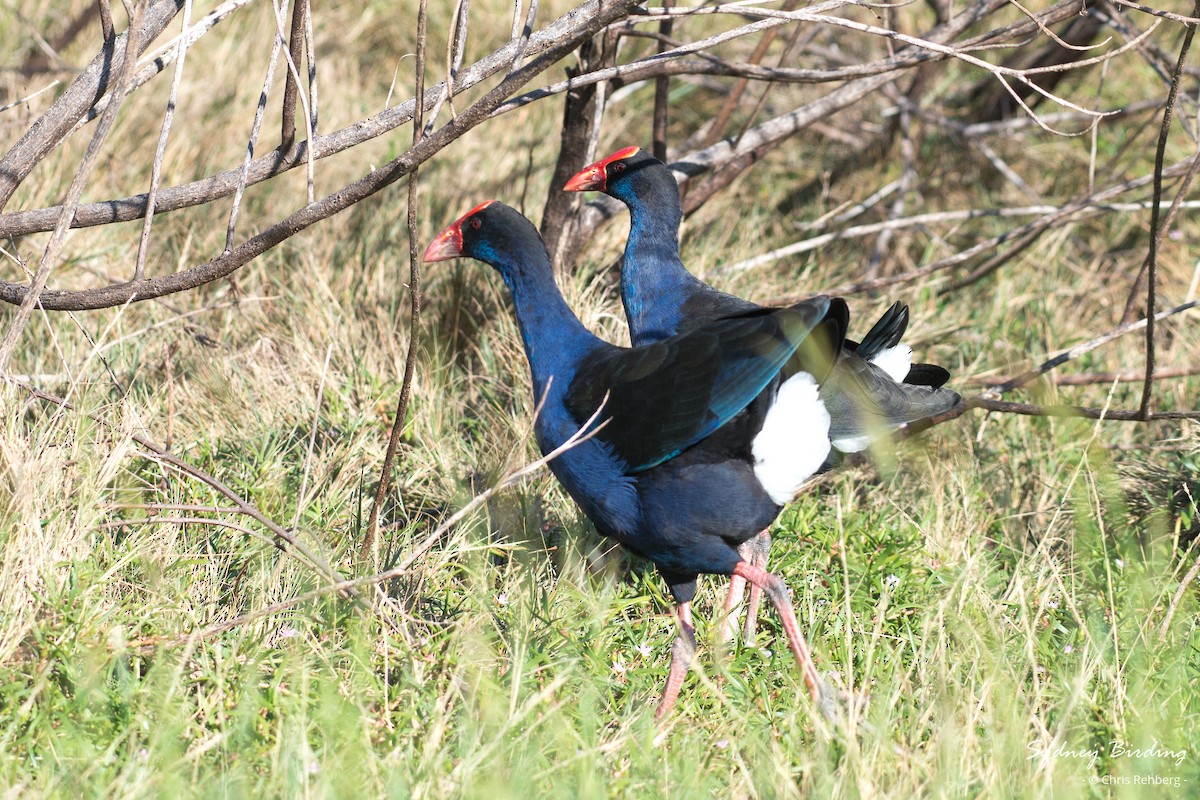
1015,593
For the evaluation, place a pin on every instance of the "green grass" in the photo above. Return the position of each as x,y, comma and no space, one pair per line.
1001,588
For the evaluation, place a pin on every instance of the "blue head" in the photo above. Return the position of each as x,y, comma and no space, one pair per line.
501,237
497,235
637,179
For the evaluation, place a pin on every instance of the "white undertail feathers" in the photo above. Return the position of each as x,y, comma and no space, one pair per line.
794,439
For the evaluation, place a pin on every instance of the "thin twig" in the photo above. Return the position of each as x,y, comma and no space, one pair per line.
731,171
107,31
1184,585
989,399
1055,214
311,49
662,97
22,101
1107,378
153,64
291,86
455,41
1000,73
585,432
1118,415
1155,230
293,79
1157,13
716,128
311,53
139,270
1079,349
1027,237
285,541
276,44
523,41
1085,207
414,287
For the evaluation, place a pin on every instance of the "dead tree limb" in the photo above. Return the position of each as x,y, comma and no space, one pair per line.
582,111
291,87
82,173
1156,230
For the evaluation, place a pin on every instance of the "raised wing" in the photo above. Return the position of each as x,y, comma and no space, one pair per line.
864,403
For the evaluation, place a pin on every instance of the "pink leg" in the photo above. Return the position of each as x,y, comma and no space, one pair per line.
681,657
754,551
760,548
737,592
777,592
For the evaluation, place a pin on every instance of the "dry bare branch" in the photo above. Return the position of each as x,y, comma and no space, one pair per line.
1193,20
139,270
1156,230
277,162
50,255
260,109
1095,204
1106,378
153,64
291,87
996,391
572,29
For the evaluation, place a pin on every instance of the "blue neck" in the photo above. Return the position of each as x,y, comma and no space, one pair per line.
554,338
654,282
556,342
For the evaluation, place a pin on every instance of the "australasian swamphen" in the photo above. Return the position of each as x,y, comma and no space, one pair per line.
874,386
699,441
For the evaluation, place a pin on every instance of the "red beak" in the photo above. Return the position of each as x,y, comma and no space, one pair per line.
449,243
588,179
594,177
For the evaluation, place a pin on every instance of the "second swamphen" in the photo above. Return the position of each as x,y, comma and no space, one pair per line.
698,441
874,386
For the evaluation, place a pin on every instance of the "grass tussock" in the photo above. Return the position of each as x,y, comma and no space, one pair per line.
1006,589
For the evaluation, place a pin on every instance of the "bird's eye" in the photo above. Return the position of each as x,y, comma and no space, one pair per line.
474,223
618,167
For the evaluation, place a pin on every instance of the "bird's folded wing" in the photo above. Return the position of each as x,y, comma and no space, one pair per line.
665,397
